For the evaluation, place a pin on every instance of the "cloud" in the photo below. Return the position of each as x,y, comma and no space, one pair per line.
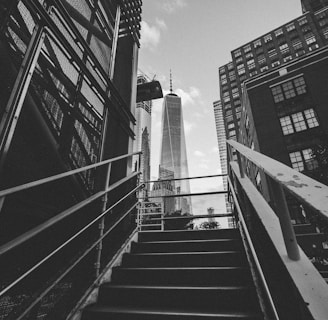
199,153
150,35
188,97
161,24
188,126
171,6
194,92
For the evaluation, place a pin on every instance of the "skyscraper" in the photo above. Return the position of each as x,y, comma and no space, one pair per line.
271,51
143,133
220,132
173,157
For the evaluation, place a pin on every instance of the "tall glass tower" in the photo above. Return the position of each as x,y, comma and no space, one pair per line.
173,157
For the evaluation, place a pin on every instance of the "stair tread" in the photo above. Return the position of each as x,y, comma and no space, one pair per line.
190,241
185,268
182,253
150,287
171,311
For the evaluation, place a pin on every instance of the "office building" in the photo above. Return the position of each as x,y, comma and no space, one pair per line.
143,133
221,137
69,75
285,114
173,154
271,51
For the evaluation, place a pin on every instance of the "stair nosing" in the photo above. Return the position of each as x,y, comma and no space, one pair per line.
188,241
190,288
184,268
183,253
148,311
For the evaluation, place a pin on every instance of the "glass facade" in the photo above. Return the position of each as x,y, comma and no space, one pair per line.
173,158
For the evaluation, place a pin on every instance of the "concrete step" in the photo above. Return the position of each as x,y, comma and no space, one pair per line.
304,228
188,246
102,312
185,259
190,299
307,242
189,235
197,276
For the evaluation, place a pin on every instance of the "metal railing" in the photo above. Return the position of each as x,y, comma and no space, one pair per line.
185,201
80,233
262,186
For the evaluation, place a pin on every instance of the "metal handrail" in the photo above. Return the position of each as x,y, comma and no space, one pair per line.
23,276
253,251
36,183
64,214
188,178
305,189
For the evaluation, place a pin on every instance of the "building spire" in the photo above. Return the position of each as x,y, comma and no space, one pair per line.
171,89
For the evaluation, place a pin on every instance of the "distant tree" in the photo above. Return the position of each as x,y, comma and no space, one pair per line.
320,156
209,225
179,223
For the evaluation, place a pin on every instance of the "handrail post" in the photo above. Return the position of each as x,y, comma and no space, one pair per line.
240,164
281,208
101,225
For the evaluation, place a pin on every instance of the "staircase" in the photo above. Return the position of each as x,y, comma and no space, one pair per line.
180,275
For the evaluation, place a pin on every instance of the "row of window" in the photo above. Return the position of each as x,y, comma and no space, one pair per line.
303,159
267,38
288,89
299,121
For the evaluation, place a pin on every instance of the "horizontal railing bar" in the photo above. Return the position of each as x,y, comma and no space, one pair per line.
33,232
23,276
36,183
192,217
200,216
76,262
252,250
187,178
307,190
187,194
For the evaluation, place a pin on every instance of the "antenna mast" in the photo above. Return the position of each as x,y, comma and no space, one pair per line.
171,89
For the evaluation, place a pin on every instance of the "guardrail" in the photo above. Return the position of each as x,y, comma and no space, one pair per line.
273,216
89,237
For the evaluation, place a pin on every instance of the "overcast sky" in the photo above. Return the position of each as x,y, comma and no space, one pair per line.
194,38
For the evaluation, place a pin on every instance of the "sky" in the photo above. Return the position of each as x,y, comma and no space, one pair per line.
194,38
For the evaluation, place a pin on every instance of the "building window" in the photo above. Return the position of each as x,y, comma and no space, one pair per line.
286,125
230,66
239,60
288,89
237,53
221,70
267,38
310,38
261,59
247,48
257,43
275,64
277,94
272,53
284,48
231,125
303,159
278,32
251,64
265,68
297,44
311,118
288,58
299,121
300,86
290,27
302,21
